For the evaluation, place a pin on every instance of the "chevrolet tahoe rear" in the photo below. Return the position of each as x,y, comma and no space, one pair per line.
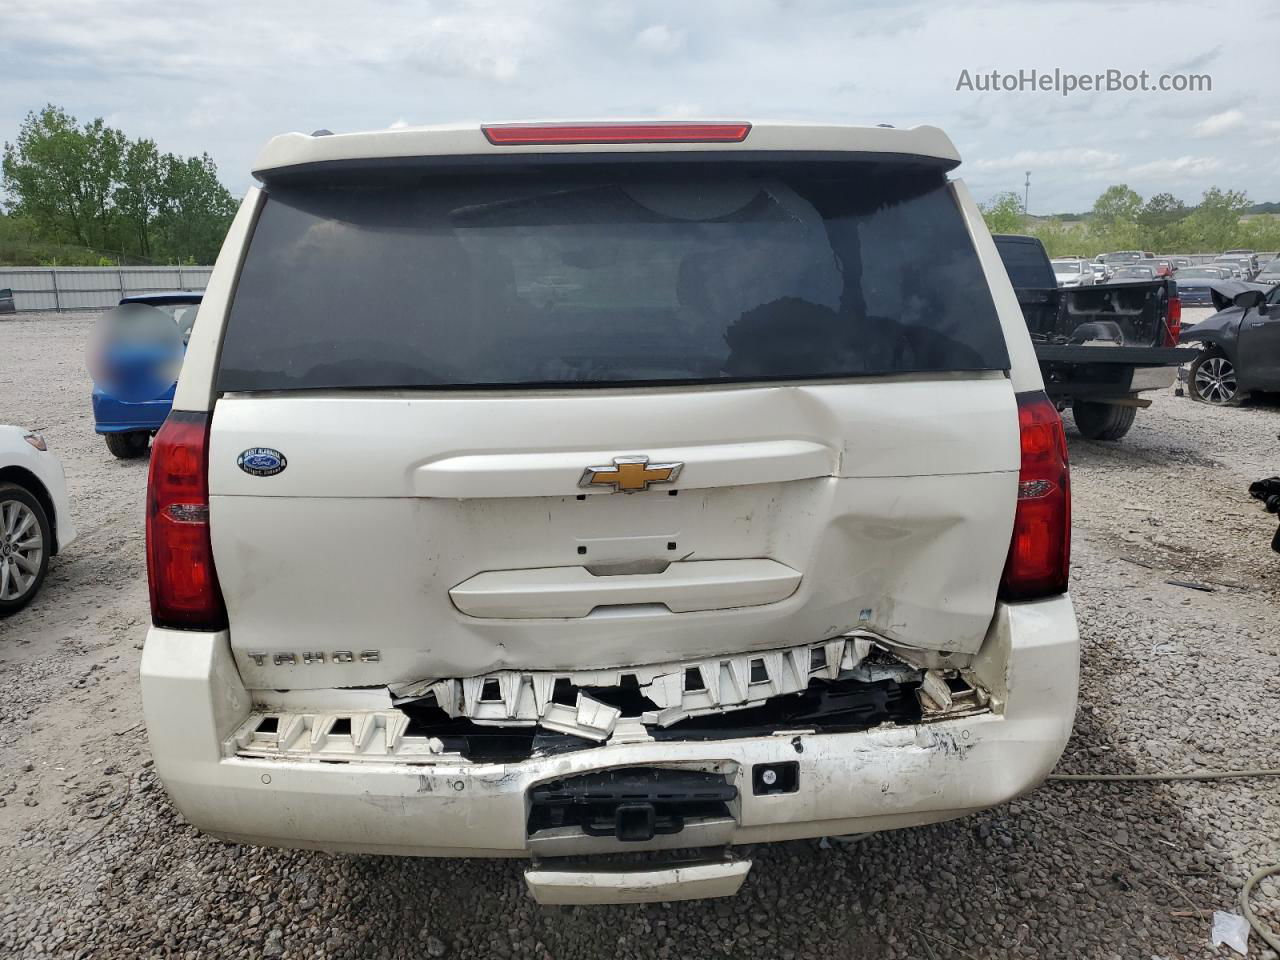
564,490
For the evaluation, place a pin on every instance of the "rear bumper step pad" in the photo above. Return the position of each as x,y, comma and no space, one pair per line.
599,884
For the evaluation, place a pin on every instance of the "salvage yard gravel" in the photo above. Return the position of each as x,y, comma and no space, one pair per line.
94,862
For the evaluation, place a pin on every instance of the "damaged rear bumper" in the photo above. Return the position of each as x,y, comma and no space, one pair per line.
844,782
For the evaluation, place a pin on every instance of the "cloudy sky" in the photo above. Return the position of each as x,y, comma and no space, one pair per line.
224,77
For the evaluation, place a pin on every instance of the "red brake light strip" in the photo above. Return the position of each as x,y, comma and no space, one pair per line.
528,134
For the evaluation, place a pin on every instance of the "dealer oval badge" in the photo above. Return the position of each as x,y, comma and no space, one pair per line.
262,461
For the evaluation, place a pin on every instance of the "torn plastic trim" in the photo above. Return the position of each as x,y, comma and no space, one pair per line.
367,735
851,683
677,690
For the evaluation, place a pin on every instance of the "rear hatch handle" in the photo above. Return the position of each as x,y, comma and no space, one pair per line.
573,592
605,883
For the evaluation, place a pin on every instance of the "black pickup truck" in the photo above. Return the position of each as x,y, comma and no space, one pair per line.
1099,346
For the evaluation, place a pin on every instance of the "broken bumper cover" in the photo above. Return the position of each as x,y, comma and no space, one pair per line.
881,778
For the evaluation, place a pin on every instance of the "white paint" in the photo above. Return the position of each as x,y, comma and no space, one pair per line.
45,466
459,140
909,520
1024,372
875,780
641,884
195,384
447,531
574,592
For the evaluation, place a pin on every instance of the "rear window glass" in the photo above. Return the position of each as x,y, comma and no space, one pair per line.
610,275
1026,263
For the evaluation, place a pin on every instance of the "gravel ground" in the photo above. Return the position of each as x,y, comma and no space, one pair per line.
95,863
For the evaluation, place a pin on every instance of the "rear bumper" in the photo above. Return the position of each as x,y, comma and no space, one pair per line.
119,416
887,777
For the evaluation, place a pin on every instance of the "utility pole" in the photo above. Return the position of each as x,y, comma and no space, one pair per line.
1026,199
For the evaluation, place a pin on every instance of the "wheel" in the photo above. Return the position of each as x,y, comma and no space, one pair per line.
1213,380
25,541
129,445
1103,421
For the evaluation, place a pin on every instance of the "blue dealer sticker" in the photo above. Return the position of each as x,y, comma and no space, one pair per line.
262,461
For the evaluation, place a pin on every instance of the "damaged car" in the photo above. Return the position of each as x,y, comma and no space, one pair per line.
1239,345
557,491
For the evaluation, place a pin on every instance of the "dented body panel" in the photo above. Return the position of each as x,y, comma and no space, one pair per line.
888,508
640,503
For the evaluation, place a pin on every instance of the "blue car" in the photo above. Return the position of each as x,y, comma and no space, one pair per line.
126,425
1194,284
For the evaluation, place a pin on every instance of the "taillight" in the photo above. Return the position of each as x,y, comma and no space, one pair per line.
1173,326
180,573
526,134
1040,551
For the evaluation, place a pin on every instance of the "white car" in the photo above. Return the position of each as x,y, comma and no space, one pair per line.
752,531
35,519
1071,272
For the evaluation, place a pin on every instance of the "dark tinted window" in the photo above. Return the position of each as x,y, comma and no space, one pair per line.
1026,263
604,275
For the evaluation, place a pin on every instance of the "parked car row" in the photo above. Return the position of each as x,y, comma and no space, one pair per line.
1128,265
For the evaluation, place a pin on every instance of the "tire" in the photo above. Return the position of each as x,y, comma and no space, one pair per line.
1103,421
26,538
128,446
1212,380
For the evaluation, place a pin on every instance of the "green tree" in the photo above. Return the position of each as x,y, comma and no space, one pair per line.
62,175
90,187
1216,221
194,209
1260,233
137,196
1162,210
1004,213
1118,204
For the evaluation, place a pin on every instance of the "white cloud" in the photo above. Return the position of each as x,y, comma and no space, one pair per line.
681,110
398,124
660,39
1218,124
1270,133
1180,167
1074,157
210,82
480,46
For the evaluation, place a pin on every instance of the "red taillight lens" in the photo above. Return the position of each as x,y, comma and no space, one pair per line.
1040,551
1173,326
526,134
184,585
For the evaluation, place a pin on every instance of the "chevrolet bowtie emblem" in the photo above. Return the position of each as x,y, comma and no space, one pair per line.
630,474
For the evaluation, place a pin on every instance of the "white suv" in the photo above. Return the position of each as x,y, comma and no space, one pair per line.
552,490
